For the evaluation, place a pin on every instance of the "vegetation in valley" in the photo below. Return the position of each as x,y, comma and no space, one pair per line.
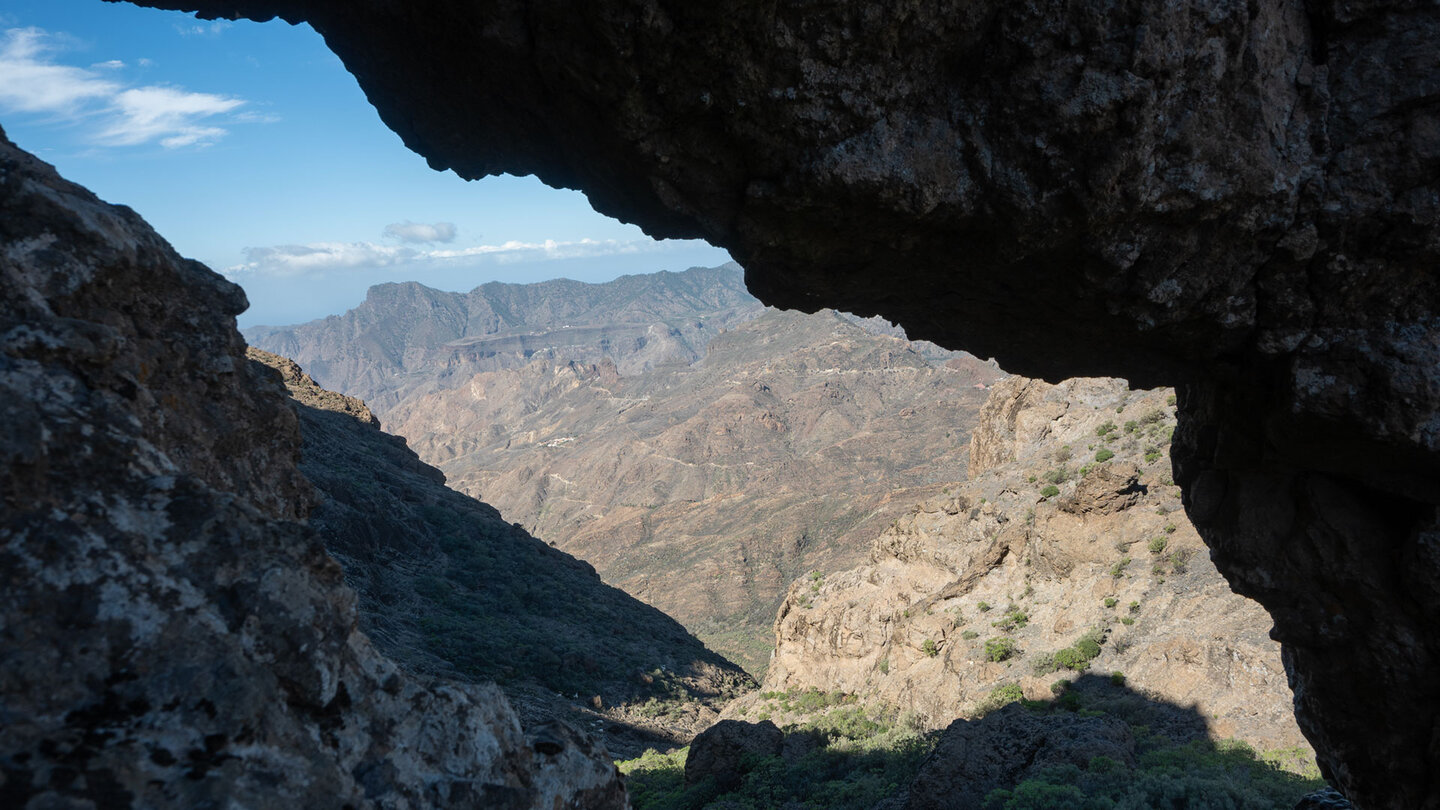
861,756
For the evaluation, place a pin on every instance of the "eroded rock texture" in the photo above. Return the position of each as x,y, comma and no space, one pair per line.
1240,197
170,635
1043,547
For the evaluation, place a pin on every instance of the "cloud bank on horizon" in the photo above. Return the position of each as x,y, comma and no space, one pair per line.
112,111
320,258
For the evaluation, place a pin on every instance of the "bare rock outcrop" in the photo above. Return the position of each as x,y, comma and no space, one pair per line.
998,582
170,634
1240,199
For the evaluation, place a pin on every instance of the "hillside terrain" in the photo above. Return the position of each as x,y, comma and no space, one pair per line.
1048,634
703,482
447,587
408,338
1065,551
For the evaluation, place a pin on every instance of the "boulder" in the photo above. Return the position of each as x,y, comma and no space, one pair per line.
721,753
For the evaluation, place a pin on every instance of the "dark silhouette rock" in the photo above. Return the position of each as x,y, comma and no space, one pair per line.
1240,199
975,757
720,752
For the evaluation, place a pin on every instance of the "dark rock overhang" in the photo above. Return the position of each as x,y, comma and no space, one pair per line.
1242,199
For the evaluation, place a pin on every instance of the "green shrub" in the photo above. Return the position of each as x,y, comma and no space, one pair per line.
1117,677
1111,601
1014,618
1178,560
1118,569
1000,697
1152,456
884,666
1059,475
1050,491
1134,607
1103,454
1127,620
983,607
1200,775
1106,428
969,635
928,647
1170,528
1157,545
1001,649
1059,687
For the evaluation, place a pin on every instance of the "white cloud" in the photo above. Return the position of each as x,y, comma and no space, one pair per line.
31,82
320,257
417,233
200,28
167,115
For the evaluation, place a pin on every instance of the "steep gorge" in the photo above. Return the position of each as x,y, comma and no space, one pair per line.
701,467
1239,199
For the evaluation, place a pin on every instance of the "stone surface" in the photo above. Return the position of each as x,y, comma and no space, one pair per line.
910,629
1237,198
719,752
170,634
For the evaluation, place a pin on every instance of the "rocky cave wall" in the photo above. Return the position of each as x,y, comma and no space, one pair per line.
1236,197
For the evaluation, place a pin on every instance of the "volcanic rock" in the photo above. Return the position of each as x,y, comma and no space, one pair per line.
170,634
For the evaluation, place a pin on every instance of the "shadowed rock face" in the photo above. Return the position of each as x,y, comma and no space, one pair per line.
171,636
1237,198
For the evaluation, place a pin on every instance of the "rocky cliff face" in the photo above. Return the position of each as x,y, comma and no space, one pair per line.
1002,579
447,587
1237,198
170,635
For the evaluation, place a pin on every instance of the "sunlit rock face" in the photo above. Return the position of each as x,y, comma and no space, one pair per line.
171,635
1236,198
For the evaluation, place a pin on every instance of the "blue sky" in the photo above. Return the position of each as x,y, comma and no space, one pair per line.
250,148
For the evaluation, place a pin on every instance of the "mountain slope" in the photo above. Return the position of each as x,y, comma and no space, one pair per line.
705,488
448,587
1045,564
